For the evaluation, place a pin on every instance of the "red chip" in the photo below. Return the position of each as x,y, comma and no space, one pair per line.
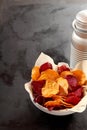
45,66
72,81
63,68
39,99
37,86
73,99
78,92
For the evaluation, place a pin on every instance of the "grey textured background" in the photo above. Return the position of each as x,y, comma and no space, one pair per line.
28,28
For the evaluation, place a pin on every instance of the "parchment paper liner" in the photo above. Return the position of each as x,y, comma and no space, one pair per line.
80,107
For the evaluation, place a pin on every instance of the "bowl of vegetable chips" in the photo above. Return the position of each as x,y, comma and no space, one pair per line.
57,89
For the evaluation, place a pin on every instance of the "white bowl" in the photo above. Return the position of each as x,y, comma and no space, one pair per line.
80,107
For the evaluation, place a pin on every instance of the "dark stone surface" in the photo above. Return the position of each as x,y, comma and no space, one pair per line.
27,31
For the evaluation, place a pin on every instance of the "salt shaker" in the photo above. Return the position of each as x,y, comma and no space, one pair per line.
79,39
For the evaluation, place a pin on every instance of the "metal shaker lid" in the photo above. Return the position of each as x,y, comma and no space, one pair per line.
81,21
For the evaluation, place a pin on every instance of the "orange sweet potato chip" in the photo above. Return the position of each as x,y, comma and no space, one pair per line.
49,74
59,102
65,73
35,73
55,103
79,74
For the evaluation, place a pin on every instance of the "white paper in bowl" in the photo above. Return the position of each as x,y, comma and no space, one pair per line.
80,107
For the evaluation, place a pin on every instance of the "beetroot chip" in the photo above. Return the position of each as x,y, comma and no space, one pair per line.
78,92
63,68
73,99
37,86
45,66
72,81
39,99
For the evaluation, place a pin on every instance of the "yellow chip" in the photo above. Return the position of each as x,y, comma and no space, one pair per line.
63,86
35,73
49,74
80,75
51,88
